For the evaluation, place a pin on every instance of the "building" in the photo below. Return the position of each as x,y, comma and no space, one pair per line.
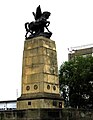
8,105
83,50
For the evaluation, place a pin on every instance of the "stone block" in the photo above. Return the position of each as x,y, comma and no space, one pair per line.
56,80
46,44
45,77
52,45
50,69
41,50
27,45
51,78
46,69
27,61
27,70
46,59
34,52
35,88
30,53
51,88
31,88
35,60
41,87
36,68
55,88
33,78
30,44
39,59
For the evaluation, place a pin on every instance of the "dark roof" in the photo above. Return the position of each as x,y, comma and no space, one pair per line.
8,101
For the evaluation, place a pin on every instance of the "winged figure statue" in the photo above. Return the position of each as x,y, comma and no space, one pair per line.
37,27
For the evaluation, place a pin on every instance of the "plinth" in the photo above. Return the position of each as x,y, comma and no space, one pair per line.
40,83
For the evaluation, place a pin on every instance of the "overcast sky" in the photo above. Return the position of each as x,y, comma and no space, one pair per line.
71,24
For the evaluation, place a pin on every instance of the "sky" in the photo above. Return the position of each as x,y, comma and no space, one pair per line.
71,25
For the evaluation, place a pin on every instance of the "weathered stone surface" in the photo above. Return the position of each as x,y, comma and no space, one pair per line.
47,114
39,103
39,71
39,41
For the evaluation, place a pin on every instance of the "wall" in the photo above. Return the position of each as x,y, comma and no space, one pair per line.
47,114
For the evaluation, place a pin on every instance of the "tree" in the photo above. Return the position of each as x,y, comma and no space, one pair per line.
77,74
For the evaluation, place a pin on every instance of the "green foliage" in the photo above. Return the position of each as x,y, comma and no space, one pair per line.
78,75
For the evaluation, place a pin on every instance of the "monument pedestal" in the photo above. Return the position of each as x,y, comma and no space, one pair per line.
40,100
40,83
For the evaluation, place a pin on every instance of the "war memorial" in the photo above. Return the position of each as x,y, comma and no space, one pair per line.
40,84
40,97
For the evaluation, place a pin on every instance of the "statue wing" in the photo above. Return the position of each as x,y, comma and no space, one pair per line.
38,13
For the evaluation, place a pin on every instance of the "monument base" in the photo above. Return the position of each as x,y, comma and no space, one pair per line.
32,114
40,100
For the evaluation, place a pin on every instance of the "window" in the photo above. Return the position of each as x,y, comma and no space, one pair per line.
29,103
60,104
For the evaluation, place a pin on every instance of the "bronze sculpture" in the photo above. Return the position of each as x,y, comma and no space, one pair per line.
37,27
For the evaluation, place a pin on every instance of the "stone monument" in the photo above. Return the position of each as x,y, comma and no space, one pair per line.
40,83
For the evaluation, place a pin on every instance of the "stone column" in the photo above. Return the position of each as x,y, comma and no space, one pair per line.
40,83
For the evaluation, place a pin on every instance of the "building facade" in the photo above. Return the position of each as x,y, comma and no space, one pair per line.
80,51
8,105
